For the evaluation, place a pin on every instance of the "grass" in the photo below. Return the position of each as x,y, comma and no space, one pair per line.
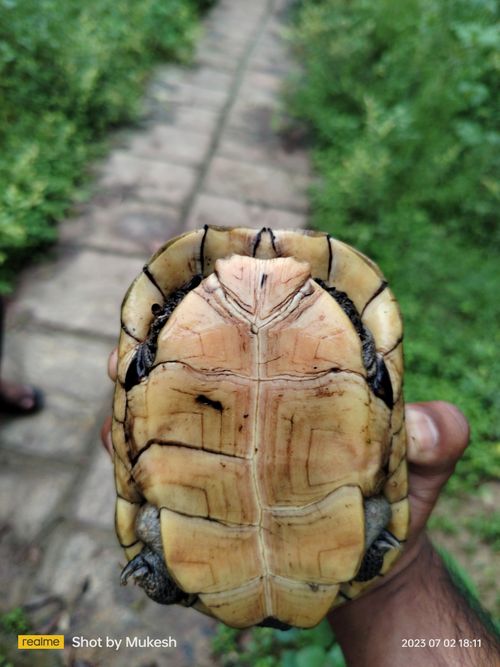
264,647
400,101
69,71
12,623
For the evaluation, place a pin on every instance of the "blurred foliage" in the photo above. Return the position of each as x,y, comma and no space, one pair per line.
487,528
15,621
12,623
265,647
68,71
400,99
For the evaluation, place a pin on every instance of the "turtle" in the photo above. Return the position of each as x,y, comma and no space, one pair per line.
258,426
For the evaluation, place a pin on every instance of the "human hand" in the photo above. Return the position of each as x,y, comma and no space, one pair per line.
417,602
106,427
437,434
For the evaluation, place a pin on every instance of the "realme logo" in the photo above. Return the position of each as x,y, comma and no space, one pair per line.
40,641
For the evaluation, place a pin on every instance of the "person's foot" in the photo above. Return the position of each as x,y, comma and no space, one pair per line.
19,399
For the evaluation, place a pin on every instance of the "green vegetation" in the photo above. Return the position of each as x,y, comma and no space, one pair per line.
400,101
486,528
264,647
68,71
12,623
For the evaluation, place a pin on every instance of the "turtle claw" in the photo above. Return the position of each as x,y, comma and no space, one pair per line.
149,571
378,540
136,568
373,561
387,541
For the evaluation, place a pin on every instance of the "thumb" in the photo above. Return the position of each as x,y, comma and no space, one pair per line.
438,434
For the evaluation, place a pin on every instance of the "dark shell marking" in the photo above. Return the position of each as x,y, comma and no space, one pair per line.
377,373
143,360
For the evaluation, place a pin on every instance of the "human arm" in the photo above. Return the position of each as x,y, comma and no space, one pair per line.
417,604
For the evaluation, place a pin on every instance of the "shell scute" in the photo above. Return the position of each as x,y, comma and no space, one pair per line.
182,407
313,248
207,487
136,311
301,603
255,430
315,338
204,337
317,436
383,318
177,262
322,542
197,570
350,267
232,606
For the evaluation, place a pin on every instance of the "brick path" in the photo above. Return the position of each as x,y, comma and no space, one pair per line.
204,152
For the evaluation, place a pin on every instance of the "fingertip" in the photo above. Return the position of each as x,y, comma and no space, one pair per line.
113,365
423,435
106,436
458,427
438,434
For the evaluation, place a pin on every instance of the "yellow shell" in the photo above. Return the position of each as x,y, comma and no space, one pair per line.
255,431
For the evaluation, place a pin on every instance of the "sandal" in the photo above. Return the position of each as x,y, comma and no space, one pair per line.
13,399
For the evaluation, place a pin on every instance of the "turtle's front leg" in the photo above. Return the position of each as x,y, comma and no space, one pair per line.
148,568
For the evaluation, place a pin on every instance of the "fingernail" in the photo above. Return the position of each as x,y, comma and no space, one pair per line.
422,429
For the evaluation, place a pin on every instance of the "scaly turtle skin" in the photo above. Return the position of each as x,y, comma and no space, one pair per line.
259,427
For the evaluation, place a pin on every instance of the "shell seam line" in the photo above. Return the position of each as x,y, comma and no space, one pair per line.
381,288
226,524
275,576
260,532
130,502
258,378
283,309
128,546
288,510
174,443
396,344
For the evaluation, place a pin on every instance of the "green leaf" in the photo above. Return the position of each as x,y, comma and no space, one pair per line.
310,656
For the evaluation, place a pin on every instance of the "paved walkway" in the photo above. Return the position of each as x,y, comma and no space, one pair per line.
205,152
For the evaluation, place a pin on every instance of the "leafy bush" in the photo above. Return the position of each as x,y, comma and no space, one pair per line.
487,528
401,98
68,71
264,647
15,621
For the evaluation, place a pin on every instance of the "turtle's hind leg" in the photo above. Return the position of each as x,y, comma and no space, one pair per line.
378,540
148,568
